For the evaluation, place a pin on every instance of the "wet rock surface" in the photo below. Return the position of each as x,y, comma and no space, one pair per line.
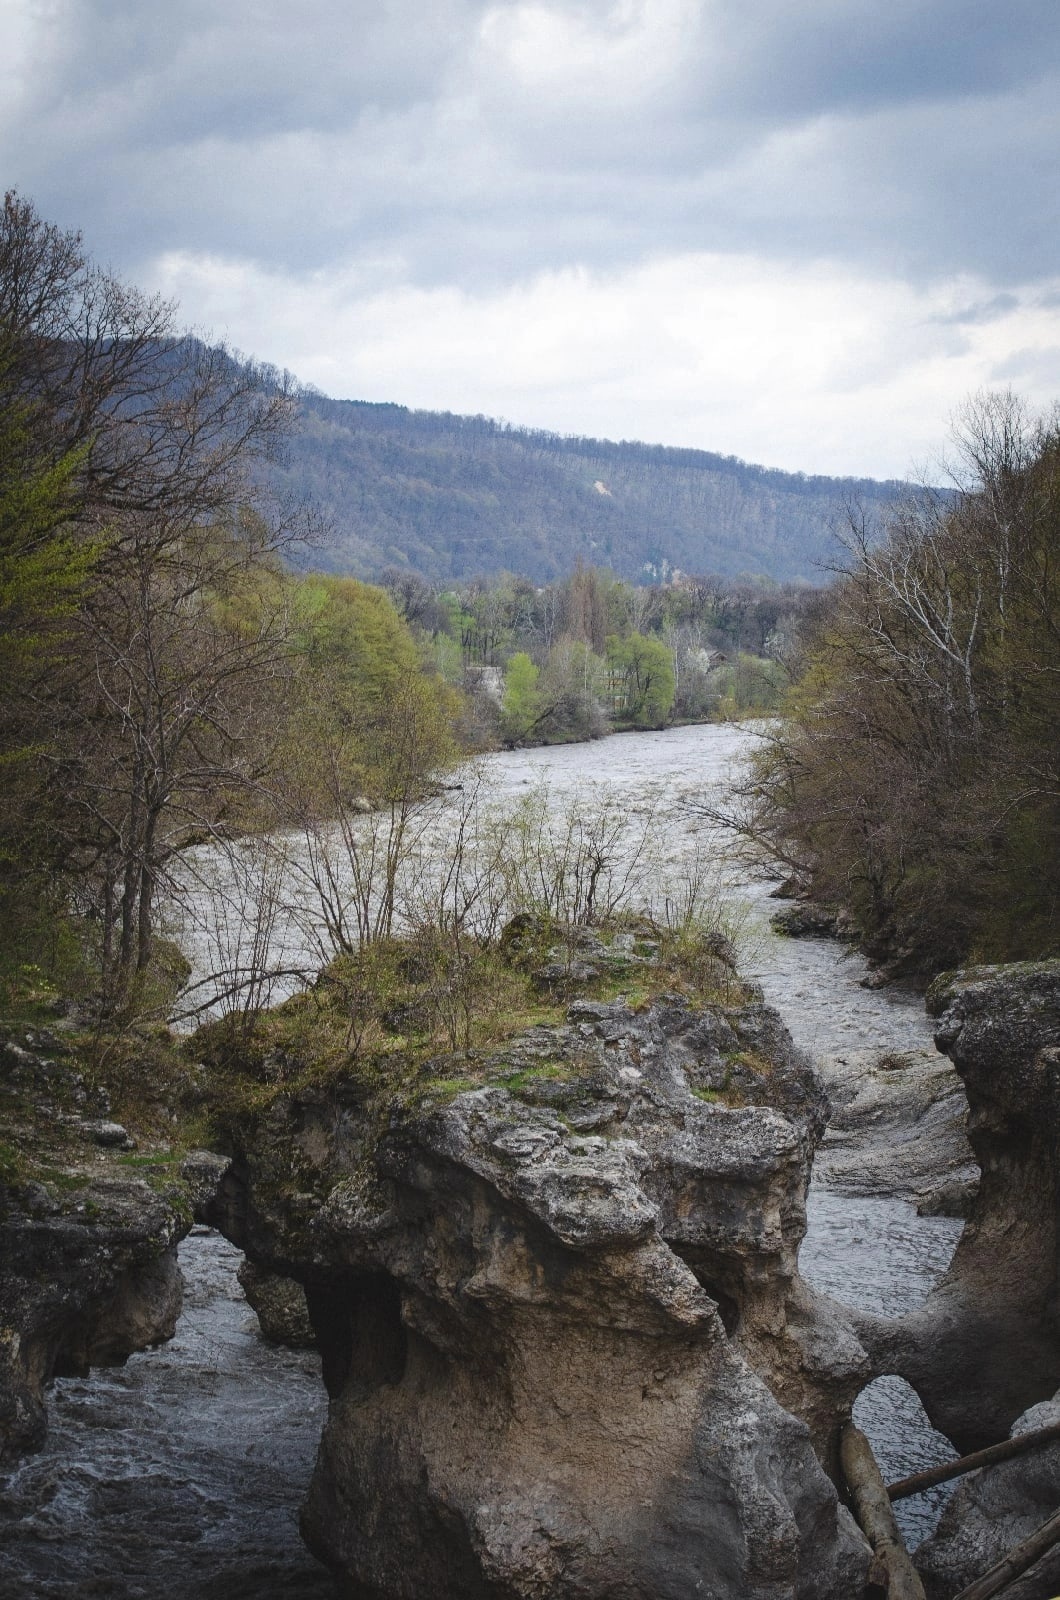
561,1321
991,1512
986,1345
88,1269
898,1127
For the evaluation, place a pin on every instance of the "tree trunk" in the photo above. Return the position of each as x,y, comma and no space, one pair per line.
874,1511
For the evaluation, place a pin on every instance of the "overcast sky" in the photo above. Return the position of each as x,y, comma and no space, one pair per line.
800,231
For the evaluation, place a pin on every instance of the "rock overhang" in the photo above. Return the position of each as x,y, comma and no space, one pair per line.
588,1259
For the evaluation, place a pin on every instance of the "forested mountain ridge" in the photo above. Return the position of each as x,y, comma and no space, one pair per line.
451,497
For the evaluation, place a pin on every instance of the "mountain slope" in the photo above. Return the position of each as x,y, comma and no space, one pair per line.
451,497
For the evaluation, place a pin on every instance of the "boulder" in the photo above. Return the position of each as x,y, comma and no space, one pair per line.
806,919
86,1278
557,1300
994,1510
986,1344
109,1135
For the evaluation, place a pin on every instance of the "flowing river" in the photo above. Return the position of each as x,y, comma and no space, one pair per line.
181,1473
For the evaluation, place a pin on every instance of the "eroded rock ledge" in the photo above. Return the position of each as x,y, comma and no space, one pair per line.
986,1344
568,1348
88,1267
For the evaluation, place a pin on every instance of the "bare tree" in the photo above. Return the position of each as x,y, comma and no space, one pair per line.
916,779
166,423
143,727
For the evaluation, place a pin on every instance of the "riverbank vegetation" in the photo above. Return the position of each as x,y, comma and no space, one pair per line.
592,654
168,679
180,691
509,918
426,1016
915,777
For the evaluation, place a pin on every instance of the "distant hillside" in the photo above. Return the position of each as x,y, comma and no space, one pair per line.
450,497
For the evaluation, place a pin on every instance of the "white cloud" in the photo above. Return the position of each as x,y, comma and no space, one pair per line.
617,56
29,51
800,233
806,366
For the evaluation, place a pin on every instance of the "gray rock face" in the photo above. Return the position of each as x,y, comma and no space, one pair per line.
986,1345
88,1269
898,1127
280,1307
201,1172
991,1512
561,1322
84,1281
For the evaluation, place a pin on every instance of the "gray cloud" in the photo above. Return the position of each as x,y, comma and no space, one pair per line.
828,57
1026,367
477,144
798,233
979,313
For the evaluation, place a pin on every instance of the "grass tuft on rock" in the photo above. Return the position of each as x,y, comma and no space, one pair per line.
401,1021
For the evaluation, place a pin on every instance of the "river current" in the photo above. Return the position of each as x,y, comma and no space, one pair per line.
181,1473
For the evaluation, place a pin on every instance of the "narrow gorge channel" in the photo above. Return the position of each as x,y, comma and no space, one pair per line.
181,1474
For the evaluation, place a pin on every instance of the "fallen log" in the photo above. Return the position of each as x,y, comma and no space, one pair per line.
1018,1561
918,1481
869,1493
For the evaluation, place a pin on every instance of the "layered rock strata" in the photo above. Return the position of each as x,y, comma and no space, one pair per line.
898,1127
986,1344
568,1349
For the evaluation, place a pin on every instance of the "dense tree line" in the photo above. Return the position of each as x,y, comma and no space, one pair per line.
916,778
577,657
453,497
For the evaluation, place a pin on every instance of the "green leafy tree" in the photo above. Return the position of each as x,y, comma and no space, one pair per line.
126,457
43,563
370,737
571,687
522,702
641,680
44,567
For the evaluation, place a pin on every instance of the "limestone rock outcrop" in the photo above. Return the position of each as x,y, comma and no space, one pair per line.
85,1279
88,1268
986,1344
993,1511
279,1305
557,1300
898,1127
